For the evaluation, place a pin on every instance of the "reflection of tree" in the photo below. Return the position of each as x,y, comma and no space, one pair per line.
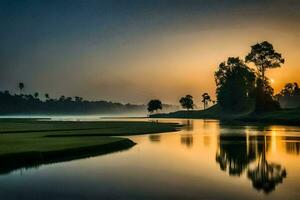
266,176
237,152
233,155
154,138
293,147
187,140
188,125
206,140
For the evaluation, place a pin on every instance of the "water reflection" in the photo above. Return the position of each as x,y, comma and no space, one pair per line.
188,125
234,155
206,140
154,138
240,154
187,140
266,176
293,147
204,160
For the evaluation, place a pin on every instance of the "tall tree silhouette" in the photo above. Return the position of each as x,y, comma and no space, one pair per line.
235,84
154,105
21,87
264,57
187,102
205,99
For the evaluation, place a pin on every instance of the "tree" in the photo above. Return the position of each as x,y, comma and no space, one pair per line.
290,89
154,105
78,99
264,99
205,99
21,87
36,95
62,98
235,84
264,57
187,102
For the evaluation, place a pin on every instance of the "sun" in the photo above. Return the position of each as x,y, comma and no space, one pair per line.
272,81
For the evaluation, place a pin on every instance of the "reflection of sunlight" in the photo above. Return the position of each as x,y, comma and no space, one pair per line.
247,139
273,141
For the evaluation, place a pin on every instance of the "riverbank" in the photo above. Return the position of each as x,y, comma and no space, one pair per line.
28,143
283,116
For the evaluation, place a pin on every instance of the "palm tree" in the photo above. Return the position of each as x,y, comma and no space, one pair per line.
205,99
21,86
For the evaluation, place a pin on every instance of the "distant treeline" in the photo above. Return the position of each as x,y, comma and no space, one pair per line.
289,97
18,104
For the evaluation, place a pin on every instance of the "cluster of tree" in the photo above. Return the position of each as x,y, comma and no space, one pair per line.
290,89
186,102
237,159
238,84
16,104
289,96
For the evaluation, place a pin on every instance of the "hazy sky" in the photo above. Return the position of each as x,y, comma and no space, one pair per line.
132,51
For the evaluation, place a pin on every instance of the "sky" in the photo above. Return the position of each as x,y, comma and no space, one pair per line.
134,50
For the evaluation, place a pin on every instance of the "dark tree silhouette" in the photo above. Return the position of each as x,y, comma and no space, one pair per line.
264,57
36,95
187,102
78,99
290,89
289,96
21,87
154,105
12,104
265,176
62,98
205,99
235,155
264,99
235,84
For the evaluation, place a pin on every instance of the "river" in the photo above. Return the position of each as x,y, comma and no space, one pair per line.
204,160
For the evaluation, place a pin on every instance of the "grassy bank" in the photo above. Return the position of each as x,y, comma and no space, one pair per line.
283,116
25,143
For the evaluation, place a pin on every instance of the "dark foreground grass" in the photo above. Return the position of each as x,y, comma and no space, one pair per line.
30,143
284,116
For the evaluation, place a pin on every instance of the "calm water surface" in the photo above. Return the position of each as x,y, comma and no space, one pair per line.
205,160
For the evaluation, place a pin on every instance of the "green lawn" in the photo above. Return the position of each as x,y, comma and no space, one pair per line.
29,135
30,142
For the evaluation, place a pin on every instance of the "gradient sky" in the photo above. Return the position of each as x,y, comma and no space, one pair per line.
132,51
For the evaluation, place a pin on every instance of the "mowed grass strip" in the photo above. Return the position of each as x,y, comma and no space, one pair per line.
102,127
29,143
